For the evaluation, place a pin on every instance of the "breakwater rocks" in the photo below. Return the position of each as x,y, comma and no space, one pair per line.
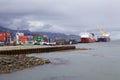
12,63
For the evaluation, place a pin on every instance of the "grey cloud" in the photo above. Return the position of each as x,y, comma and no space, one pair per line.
75,15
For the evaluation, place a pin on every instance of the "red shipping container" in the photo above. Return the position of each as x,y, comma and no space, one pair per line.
2,33
23,38
2,36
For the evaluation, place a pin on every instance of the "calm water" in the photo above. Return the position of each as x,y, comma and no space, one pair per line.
100,63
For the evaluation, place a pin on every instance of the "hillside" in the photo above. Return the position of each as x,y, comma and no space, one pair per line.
48,34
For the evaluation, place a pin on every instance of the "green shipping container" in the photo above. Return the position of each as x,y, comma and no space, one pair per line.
38,38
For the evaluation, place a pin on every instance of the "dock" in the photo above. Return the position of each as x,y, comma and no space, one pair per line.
16,50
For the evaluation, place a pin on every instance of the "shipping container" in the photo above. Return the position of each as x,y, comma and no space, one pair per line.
23,38
4,35
30,38
38,38
2,43
7,34
2,38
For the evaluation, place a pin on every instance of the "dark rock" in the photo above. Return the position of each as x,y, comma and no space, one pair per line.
11,63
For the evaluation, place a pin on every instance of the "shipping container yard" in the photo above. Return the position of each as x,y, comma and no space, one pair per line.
9,39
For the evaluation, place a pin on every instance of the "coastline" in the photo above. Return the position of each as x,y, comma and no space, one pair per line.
13,58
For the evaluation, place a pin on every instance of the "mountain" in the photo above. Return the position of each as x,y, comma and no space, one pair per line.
51,35
5,29
12,31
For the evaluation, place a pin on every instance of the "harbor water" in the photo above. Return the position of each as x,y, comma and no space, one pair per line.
102,62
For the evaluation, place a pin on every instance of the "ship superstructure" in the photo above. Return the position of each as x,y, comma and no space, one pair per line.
104,37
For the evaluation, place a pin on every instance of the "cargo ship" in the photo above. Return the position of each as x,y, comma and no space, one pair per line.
104,37
86,37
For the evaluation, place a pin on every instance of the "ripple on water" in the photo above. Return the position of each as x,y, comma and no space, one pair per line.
59,61
64,78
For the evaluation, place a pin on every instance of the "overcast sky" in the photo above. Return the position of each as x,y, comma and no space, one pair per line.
67,16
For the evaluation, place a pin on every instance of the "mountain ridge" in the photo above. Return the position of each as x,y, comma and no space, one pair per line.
48,34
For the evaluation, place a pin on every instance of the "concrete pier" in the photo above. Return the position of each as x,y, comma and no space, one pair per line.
12,50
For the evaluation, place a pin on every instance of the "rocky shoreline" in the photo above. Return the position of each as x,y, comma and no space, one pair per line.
12,63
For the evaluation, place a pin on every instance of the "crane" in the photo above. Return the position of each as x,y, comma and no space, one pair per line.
103,33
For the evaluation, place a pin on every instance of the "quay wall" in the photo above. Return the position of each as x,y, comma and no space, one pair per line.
15,50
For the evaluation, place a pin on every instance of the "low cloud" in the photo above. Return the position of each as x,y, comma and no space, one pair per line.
42,26
32,25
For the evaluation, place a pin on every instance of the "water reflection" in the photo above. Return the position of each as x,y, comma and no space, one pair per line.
63,78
